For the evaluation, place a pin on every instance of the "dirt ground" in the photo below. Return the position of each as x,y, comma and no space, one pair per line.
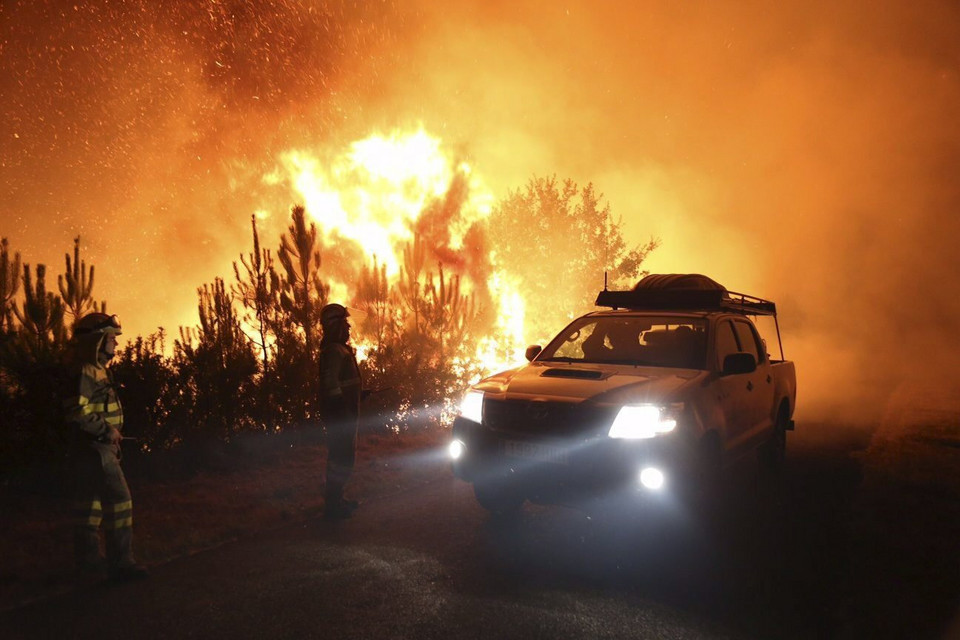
254,491
905,522
900,530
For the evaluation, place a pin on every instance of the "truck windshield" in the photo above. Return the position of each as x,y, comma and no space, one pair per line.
653,341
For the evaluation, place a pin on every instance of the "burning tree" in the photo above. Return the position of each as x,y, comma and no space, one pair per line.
435,315
559,239
440,276
375,298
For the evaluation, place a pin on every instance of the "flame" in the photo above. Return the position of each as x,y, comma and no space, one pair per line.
373,194
504,350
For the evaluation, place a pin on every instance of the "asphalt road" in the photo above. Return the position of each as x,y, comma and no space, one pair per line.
427,562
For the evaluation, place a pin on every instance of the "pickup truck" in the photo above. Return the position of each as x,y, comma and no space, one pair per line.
656,394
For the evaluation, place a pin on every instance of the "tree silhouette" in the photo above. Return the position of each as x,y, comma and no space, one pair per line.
220,368
375,298
448,313
303,292
30,370
76,287
9,285
42,315
409,287
258,290
152,396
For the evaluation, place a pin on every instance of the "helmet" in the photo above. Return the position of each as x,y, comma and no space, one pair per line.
333,313
97,323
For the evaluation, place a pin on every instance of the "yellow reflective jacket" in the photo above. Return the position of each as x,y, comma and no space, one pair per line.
90,401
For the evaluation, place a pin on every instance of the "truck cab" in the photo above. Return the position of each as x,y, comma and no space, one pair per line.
656,393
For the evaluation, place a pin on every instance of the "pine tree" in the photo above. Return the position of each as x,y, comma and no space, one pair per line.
258,290
76,287
9,285
448,313
409,287
304,294
42,315
221,367
375,298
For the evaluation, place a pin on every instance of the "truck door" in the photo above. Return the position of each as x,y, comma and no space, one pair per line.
731,390
758,405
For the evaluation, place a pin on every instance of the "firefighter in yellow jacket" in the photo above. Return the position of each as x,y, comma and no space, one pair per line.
95,418
340,393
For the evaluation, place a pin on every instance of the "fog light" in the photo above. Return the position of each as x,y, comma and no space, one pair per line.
456,449
651,478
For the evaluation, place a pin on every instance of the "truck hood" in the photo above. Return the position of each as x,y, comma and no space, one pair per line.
602,384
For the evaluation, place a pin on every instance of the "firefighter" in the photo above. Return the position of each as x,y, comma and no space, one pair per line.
340,393
95,419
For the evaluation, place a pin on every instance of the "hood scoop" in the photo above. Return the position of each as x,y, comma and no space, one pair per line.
580,374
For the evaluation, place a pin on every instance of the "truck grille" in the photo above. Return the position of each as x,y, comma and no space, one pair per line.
544,418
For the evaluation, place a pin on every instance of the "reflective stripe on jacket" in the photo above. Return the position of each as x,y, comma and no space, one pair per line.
95,407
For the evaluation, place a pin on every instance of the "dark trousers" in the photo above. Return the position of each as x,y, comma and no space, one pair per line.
341,455
102,497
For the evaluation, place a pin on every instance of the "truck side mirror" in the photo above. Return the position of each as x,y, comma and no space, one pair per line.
737,363
532,352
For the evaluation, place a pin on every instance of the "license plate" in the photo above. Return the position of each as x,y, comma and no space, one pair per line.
534,451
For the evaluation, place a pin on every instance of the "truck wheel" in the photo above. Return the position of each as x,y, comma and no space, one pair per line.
774,451
497,499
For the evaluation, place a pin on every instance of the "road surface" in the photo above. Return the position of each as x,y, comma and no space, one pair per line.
427,562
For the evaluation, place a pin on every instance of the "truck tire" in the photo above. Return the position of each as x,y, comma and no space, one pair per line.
498,499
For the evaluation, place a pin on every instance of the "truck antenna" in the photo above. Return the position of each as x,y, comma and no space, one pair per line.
604,280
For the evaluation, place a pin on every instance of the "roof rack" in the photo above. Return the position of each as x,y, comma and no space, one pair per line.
687,299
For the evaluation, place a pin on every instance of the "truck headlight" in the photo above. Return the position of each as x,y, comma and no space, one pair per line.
471,407
455,449
635,422
652,478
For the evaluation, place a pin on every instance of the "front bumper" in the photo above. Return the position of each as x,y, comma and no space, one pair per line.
568,469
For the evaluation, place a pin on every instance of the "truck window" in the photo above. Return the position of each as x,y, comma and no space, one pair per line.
726,342
641,340
748,340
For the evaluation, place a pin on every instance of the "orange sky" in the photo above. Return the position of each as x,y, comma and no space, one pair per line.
806,153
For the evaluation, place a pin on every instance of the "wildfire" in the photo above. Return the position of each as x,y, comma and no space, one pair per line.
373,197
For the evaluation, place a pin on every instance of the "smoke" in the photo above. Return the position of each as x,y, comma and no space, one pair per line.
805,154
802,153
147,129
